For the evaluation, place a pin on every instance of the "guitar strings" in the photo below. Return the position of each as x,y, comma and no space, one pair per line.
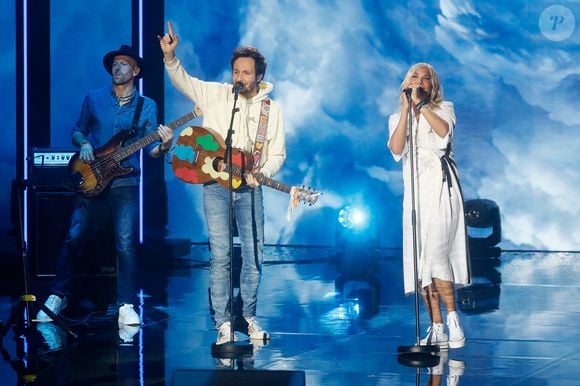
236,170
108,157
173,125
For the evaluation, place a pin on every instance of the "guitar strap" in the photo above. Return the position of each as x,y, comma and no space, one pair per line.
259,145
261,132
137,115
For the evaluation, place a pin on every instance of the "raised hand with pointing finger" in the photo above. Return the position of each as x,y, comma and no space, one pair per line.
168,42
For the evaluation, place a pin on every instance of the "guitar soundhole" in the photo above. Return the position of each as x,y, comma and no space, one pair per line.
218,164
78,178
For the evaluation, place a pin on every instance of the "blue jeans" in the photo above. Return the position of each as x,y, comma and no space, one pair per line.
124,205
249,215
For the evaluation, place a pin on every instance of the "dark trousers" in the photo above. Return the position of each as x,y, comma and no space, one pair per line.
88,213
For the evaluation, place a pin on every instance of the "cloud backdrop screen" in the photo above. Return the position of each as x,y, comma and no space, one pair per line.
510,68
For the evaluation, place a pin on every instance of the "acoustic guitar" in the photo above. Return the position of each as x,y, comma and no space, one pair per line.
198,158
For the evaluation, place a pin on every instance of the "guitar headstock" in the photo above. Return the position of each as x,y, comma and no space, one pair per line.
306,195
298,194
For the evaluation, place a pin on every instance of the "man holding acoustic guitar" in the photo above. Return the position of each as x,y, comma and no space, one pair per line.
258,130
107,176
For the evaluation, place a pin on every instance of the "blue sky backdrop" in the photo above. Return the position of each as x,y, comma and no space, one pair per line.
511,68
337,66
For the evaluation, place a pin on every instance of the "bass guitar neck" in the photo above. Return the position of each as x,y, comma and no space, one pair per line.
91,178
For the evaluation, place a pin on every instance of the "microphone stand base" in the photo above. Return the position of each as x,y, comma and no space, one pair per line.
232,350
418,356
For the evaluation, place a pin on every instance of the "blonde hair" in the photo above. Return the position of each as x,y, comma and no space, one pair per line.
436,95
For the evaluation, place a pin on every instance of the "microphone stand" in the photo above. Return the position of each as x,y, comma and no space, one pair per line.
231,349
417,355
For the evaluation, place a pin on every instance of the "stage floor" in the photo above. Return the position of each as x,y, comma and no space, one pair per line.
520,318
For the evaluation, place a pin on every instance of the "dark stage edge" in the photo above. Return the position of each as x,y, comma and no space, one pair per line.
520,319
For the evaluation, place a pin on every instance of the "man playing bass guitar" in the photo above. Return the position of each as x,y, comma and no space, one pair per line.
106,112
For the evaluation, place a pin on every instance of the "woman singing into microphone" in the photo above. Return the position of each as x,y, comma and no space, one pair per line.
442,254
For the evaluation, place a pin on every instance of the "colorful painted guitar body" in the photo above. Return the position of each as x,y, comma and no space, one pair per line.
198,157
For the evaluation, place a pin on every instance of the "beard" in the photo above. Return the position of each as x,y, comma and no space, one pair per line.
122,78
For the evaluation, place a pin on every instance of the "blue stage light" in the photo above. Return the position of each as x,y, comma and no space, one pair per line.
356,239
354,217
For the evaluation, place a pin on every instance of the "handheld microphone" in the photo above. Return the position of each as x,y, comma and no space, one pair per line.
238,87
408,90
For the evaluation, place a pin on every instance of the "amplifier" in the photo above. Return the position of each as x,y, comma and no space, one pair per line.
51,157
48,168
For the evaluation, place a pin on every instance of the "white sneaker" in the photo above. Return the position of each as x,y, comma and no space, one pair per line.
257,344
127,332
53,335
440,368
456,335
55,304
436,336
456,369
128,316
223,335
255,331
224,363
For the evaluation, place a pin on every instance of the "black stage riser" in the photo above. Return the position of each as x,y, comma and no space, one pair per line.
238,378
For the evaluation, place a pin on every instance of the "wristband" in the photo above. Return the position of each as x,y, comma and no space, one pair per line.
161,150
421,104
84,143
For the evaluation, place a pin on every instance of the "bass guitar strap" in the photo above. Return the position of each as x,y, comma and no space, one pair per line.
137,115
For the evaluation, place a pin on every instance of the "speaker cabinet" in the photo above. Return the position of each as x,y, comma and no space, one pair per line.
186,377
49,220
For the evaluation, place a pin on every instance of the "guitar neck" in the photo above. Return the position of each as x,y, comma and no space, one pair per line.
237,171
273,183
126,151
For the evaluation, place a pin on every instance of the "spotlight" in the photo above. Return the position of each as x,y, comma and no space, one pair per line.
356,238
354,217
483,222
356,227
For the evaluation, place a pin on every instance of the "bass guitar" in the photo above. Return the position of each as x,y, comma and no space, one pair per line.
198,158
91,178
